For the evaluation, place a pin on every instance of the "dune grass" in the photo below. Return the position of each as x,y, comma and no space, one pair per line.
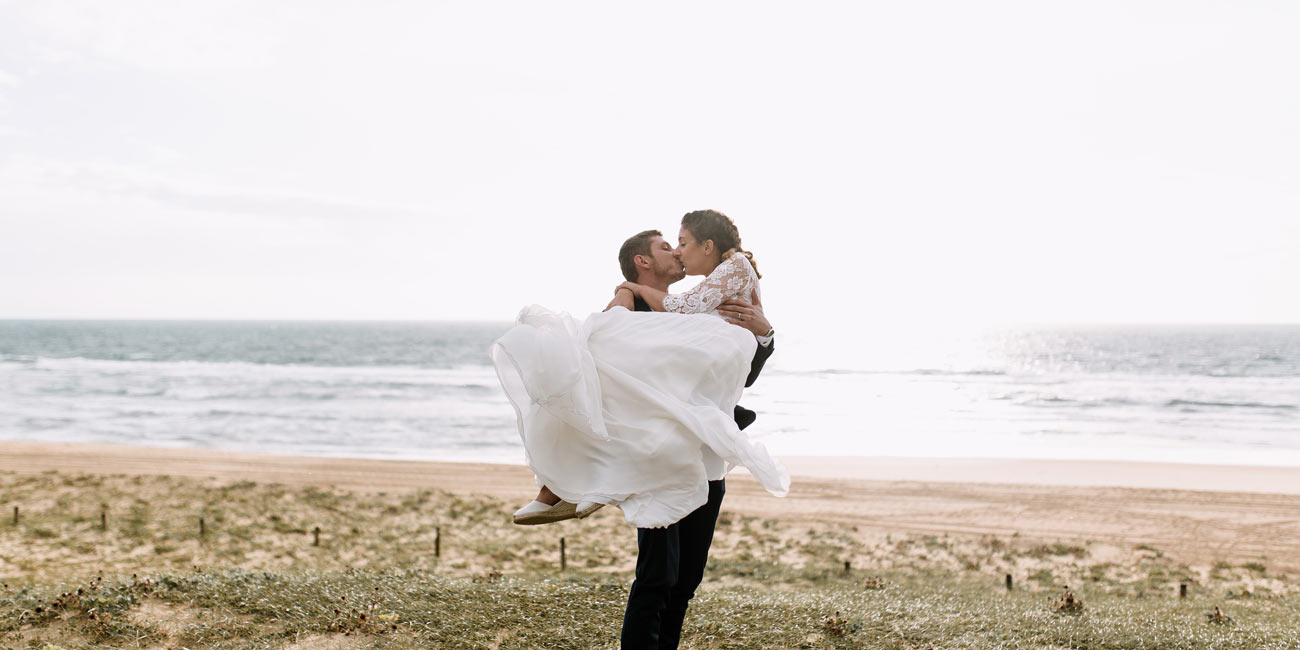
255,579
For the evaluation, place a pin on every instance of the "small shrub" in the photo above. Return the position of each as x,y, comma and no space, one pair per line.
1057,549
836,625
1066,603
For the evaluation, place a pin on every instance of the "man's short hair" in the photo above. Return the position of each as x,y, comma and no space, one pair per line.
638,244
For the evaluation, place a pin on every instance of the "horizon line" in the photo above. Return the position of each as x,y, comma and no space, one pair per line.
1045,323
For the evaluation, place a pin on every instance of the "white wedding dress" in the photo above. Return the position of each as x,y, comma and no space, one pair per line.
635,409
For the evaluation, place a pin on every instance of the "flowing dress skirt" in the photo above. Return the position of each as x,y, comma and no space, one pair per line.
632,409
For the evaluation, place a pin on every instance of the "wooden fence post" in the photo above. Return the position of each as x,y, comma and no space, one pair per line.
316,535
1008,582
437,541
563,560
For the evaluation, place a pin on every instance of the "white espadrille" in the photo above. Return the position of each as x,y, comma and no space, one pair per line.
585,508
541,513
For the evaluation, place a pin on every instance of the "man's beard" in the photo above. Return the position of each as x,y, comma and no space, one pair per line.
673,273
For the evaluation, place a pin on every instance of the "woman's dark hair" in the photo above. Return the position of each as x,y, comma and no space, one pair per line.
711,224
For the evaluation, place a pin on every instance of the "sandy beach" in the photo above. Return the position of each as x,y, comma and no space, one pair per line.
1198,514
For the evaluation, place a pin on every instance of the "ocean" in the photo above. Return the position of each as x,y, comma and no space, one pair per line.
425,390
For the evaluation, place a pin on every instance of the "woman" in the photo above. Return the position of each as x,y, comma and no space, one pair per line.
731,274
635,409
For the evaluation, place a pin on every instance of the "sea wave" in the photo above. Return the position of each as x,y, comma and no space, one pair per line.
1175,403
915,371
72,363
1059,401
357,389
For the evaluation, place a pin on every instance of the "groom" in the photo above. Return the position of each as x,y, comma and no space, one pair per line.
670,561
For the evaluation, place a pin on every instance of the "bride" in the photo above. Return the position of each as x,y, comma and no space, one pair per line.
635,409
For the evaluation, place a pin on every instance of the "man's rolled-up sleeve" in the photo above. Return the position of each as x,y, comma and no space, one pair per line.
761,353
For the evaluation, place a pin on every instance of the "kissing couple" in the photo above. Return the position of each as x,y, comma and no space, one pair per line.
637,407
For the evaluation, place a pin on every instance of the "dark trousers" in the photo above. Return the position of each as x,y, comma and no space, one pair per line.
669,566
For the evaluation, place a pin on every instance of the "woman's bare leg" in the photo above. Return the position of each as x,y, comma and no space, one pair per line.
545,495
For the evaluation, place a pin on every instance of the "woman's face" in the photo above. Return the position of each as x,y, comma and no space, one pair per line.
699,258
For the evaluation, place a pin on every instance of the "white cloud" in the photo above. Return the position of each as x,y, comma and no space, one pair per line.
1010,160
117,182
156,36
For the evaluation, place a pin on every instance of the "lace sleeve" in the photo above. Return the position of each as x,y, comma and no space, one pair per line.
732,279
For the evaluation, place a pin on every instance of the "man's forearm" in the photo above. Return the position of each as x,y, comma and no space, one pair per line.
761,355
622,298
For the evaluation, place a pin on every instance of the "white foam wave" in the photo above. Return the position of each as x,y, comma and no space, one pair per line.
466,374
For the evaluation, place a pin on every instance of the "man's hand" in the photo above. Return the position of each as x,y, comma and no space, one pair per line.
622,298
747,315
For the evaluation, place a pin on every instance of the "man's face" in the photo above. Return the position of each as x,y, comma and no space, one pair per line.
664,261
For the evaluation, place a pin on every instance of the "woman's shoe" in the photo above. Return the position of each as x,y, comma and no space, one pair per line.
542,513
585,508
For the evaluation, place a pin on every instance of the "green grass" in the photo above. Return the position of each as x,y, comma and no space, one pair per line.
255,580
416,609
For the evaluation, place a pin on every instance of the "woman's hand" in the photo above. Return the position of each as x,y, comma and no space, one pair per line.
622,298
747,315
628,286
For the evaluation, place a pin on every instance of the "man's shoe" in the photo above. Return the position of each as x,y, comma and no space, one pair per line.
540,513
744,417
585,508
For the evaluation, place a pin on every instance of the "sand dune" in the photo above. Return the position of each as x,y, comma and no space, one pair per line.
1196,513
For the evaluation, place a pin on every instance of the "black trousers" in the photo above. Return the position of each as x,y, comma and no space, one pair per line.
669,566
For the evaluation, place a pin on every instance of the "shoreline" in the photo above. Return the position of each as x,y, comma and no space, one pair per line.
1202,477
28,455
1106,504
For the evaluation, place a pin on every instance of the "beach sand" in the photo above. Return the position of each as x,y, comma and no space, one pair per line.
1196,514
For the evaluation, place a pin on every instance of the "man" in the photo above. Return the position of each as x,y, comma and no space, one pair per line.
670,561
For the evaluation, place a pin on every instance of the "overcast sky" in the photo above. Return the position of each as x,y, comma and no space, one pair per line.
887,162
